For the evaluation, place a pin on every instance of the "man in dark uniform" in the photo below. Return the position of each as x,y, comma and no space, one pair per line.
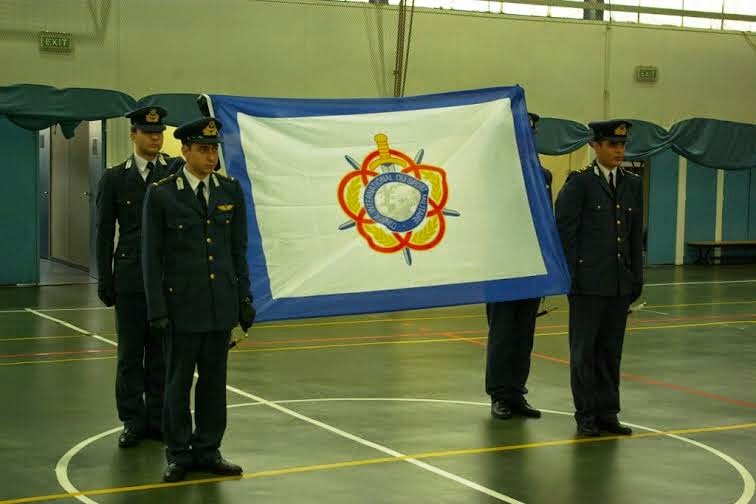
140,370
599,214
511,328
197,284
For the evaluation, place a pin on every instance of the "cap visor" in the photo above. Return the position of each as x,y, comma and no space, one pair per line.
150,128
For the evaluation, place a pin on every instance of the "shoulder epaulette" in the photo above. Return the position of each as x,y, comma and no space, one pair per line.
165,180
224,177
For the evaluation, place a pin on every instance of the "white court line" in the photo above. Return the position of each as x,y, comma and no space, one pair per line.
749,487
71,326
61,470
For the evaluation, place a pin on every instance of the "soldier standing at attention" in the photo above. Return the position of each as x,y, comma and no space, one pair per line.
511,329
599,214
140,369
197,283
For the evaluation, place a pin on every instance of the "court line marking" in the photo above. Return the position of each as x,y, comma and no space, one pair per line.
28,338
635,323
562,310
66,484
71,326
658,284
705,282
451,336
54,361
748,483
65,352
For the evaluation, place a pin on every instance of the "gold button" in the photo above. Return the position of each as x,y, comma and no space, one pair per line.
598,207
210,258
619,255
618,206
170,289
123,254
209,240
619,222
181,226
208,221
212,276
629,209
128,202
580,261
227,221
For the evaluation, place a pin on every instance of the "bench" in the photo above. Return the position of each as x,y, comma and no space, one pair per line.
705,247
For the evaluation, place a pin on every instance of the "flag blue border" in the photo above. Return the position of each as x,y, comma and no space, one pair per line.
555,281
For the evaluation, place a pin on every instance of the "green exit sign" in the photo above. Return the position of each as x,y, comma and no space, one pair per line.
646,73
55,42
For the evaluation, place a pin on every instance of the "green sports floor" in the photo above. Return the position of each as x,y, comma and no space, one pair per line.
390,408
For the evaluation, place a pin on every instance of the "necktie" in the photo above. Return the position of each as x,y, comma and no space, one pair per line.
611,184
150,173
201,197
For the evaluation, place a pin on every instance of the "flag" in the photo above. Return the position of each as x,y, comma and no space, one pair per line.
375,205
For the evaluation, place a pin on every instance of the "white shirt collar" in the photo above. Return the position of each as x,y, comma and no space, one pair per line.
141,164
606,171
194,181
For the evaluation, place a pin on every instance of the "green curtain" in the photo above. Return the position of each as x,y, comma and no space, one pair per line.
708,142
36,107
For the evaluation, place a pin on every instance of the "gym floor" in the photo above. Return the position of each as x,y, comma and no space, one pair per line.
391,408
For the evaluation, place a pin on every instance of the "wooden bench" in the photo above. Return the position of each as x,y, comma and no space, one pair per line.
705,247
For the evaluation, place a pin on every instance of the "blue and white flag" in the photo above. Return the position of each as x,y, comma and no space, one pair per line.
374,205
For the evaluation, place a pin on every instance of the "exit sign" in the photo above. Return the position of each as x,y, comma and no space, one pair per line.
55,42
646,73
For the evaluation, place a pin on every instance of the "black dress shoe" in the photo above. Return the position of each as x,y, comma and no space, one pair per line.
174,472
588,428
614,427
524,409
500,410
129,438
219,466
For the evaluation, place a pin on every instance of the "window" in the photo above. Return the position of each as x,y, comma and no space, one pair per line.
718,9
740,7
661,19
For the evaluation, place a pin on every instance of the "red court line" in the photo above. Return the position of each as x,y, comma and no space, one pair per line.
632,377
465,331
632,322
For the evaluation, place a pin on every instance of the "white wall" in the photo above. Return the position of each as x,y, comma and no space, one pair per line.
334,49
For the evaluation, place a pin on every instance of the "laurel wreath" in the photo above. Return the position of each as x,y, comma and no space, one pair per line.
427,232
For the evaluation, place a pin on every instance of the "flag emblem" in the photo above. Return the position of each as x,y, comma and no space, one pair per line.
396,203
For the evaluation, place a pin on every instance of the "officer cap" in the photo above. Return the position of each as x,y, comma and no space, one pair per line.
148,119
201,131
616,130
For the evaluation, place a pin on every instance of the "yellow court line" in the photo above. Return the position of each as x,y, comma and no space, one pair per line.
365,321
374,461
56,361
25,338
372,343
405,342
716,303
450,339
